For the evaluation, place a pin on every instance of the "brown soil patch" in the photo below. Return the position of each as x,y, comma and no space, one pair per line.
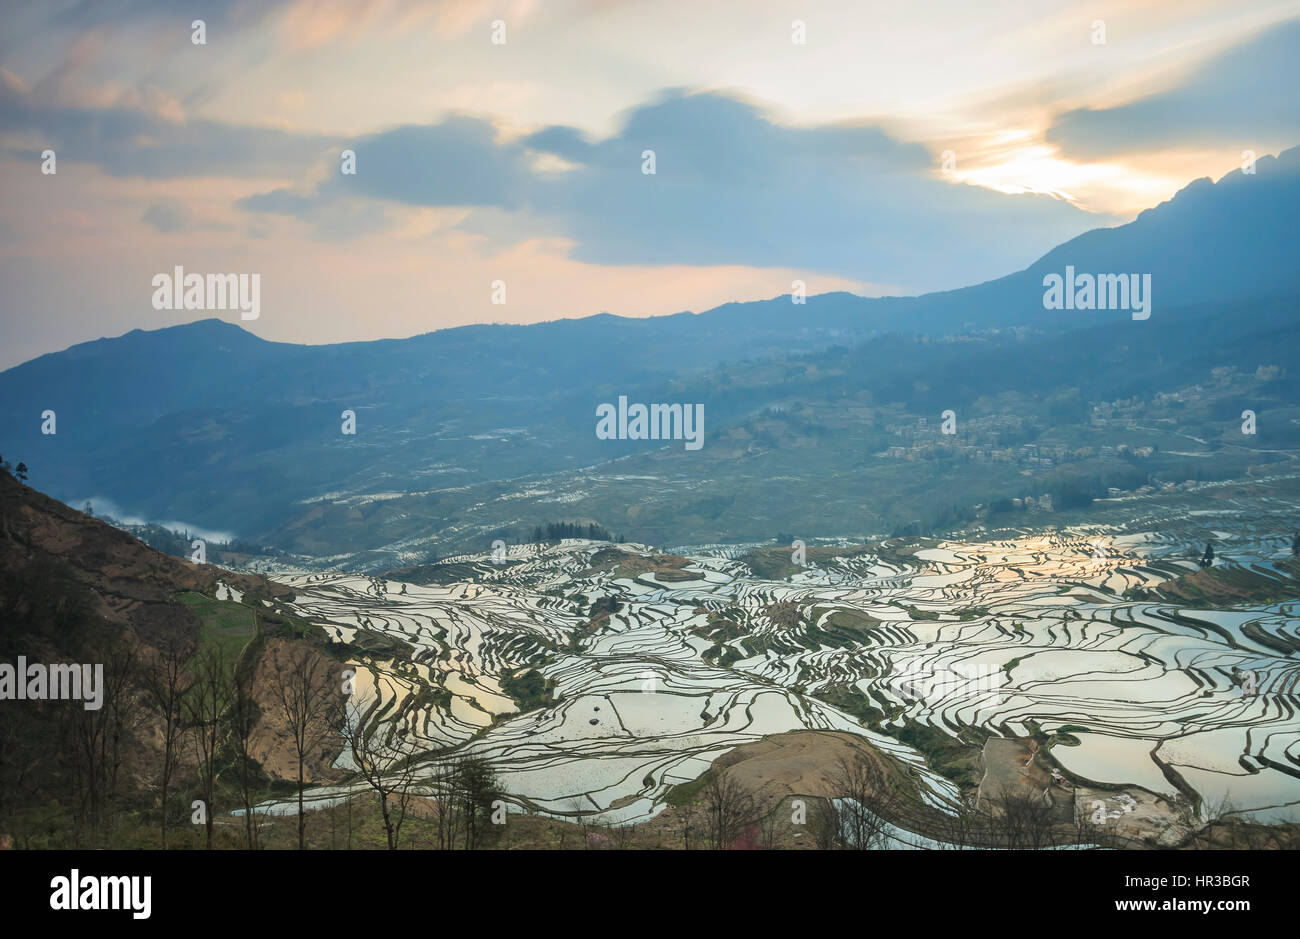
271,742
626,564
786,614
794,763
1010,772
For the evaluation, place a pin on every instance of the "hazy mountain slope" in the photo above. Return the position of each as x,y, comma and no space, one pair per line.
208,425
1212,242
813,460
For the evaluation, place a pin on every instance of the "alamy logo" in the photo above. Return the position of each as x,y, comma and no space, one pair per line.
651,422
181,291
1098,292
37,682
76,892
974,683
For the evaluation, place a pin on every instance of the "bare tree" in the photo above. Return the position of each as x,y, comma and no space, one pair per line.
384,761
770,826
622,835
729,809
446,806
578,809
867,799
960,827
122,699
205,707
100,735
166,683
1024,819
1087,832
307,697
243,719
1208,821
825,825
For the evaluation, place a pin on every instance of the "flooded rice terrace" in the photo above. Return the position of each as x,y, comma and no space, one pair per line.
700,656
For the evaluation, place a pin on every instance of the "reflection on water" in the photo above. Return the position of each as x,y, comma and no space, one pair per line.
685,670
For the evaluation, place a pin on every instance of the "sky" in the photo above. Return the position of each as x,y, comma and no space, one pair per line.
881,148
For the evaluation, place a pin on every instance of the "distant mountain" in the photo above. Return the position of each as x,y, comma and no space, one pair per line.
1224,242
828,450
208,425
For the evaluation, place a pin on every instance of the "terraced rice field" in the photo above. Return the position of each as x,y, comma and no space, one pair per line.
700,655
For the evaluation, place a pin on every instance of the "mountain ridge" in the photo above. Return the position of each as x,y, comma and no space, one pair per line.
208,422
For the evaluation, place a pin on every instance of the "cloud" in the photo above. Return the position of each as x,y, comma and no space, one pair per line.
1238,98
279,202
168,217
732,187
454,162
79,12
564,142
135,141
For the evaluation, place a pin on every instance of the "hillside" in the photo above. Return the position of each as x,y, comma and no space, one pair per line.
76,590
206,425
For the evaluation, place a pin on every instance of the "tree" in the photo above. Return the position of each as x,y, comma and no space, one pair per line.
244,716
478,789
729,809
1024,819
20,471
866,797
556,531
205,706
101,735
166,683
446,806
307,697
464,790
958,828
383,760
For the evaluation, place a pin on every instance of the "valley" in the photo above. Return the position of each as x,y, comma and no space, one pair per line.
653,665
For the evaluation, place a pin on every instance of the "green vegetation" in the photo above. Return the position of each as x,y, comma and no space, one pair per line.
723,656
1227,586
224,622
851,701
955,758
687,792
852,619
918,614
529,689
776,563
557,531
1064,735
721,628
